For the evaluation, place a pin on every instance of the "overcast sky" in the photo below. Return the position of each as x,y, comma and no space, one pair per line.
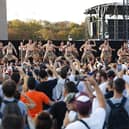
51,10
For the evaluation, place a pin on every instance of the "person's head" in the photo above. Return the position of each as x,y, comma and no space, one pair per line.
49,42
31,83
63,72
21,43
106,42
101,76
43,74
50,73
111,74
30,41
70,101
16,77
9,88
9,44
12,122
83,105
70,87
43,121
119,85
62,43
110,85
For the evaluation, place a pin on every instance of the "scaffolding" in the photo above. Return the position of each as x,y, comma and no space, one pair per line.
108,18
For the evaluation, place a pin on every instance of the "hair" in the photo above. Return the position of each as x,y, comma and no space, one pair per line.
103,74
13,122
70,87
43,121
63,72
43,73
84,108
31,83
49,72
16,77
9,88
110,83
119,85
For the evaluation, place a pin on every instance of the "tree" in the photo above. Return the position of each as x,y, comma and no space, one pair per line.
45,30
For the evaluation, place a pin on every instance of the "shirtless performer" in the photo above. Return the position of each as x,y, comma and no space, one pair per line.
36,52
62,48
75,51
69,51
87,52
123,53
8,49
106,52
29,49
22,51
49,48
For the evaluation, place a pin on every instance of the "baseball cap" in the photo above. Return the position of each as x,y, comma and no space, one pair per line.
83,104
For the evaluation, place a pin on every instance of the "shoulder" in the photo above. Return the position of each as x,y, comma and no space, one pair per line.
75,125
22,105
99,112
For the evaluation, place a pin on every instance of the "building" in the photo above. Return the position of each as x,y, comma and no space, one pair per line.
109,20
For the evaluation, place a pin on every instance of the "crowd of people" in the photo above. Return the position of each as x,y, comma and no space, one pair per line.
55,87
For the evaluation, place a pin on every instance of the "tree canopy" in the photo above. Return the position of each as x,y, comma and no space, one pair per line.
43,30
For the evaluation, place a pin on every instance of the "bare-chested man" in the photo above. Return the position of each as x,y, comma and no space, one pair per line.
29,49
49,48
87,52
69,51
62,48
36,53
106,52
75,51
8,52
22,51
123,53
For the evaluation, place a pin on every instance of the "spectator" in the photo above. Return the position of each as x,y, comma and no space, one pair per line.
58,114
13,122
16,77
83,103
9,89
119,87
38,97
43,121
45,85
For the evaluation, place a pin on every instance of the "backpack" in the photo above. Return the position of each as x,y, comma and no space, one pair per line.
10,108
118,117
83,122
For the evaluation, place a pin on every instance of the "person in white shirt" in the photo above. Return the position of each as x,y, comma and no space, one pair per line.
83,103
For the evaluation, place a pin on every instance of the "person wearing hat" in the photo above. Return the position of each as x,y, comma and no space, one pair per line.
94,120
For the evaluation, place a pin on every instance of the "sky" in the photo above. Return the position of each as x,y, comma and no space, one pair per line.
51,10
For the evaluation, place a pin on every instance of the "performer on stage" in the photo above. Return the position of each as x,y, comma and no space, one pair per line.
62,48
87,52
29,49
36,53
8,52
22,51
69,51
123,53
106,52
49,48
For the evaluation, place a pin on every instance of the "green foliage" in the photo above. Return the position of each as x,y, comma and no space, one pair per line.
45,30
